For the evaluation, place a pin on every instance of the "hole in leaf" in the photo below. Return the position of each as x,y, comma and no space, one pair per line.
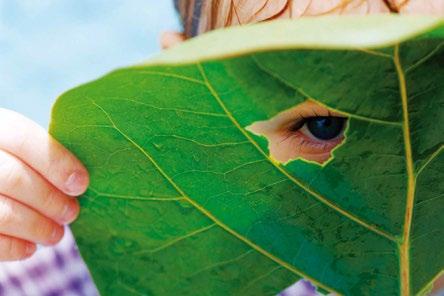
308,131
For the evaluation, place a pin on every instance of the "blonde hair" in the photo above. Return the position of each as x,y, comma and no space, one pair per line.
199,16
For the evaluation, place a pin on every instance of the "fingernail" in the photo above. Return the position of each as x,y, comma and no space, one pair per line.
69,213
56,233
76,183
30,249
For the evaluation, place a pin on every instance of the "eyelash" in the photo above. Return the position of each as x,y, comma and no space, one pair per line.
300,119
302,141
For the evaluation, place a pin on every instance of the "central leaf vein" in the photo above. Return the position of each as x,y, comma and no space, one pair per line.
404,247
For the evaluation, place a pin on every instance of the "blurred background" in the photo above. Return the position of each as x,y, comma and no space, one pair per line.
50,46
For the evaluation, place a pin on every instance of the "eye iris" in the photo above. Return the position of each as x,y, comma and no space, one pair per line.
325,127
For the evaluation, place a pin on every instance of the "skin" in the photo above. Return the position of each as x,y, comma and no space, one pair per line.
39,178
286,144
38,181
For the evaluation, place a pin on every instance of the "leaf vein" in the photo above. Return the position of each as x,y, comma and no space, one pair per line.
423,202
245,240
170,75
259,278
404,247
175,241
168,109
309,97
139,198
375,53
425,58
316,195
266,187
429,160
202,144
220,264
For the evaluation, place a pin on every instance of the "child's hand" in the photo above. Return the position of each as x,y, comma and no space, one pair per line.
38,179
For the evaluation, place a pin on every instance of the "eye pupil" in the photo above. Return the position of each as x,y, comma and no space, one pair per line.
325,127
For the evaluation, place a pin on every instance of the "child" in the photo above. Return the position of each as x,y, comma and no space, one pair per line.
39,178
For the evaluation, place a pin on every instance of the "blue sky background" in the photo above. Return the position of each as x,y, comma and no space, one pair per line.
49,46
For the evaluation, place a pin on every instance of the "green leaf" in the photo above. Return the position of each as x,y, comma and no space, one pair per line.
185,201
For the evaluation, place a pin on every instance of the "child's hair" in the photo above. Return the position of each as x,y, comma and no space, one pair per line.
189,13
199,16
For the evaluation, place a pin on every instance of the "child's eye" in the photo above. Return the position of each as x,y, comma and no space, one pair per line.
308,130
322,127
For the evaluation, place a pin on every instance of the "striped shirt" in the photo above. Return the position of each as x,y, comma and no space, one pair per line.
60,271
51,271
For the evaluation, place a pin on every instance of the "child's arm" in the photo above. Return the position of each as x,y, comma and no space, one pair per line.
38,179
